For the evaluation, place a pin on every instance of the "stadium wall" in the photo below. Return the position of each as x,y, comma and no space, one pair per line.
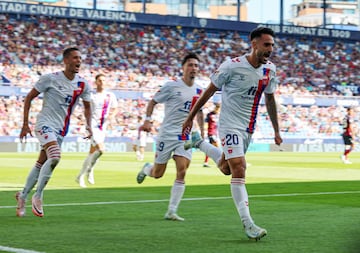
7,91
126,146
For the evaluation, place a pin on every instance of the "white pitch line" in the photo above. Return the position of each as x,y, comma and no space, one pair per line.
16,250
195,199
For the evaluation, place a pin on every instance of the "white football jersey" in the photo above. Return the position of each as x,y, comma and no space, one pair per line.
242,86
177,98
61,95
101,103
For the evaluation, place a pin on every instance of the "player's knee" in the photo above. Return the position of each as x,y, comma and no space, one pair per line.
224,167
225,170
54,161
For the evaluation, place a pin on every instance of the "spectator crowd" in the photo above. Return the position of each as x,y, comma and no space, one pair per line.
142,58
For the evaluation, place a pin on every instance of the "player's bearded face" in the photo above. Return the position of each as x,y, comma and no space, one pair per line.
265,46
263,56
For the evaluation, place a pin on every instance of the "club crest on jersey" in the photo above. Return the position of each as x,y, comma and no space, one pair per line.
80,89
241,77
266,76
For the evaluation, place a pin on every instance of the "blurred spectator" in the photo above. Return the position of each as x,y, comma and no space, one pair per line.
143,58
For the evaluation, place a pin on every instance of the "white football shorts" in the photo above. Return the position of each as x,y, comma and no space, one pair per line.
165,149
98,136
46,134
234,142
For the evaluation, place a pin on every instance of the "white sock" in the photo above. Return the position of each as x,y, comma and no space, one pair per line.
93,158
241,199
177,192
148,170
44,177
53,154
85,167
31,180
211,151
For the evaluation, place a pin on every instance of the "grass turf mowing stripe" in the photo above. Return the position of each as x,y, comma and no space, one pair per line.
194,199
16,250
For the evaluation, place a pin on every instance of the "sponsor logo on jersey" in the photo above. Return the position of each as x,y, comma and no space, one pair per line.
252,91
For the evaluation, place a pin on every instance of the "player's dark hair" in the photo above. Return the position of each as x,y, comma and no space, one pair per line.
190,56
257,32
99,75
67,51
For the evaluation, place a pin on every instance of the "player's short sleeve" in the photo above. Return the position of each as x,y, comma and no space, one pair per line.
163,93
221,76
113,101
271,88
43,83
86,95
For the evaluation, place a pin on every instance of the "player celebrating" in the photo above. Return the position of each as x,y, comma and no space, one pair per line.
242,81
177,96
103,107
61,91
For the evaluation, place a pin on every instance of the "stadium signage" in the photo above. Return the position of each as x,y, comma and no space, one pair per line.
172,20
36,9
310,31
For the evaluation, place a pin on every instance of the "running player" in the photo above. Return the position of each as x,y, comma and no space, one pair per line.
61,93
177,97
103,107
242,81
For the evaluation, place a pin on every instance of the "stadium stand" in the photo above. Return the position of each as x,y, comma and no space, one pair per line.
140,59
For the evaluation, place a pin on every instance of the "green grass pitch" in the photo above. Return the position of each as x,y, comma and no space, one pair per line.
308,202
